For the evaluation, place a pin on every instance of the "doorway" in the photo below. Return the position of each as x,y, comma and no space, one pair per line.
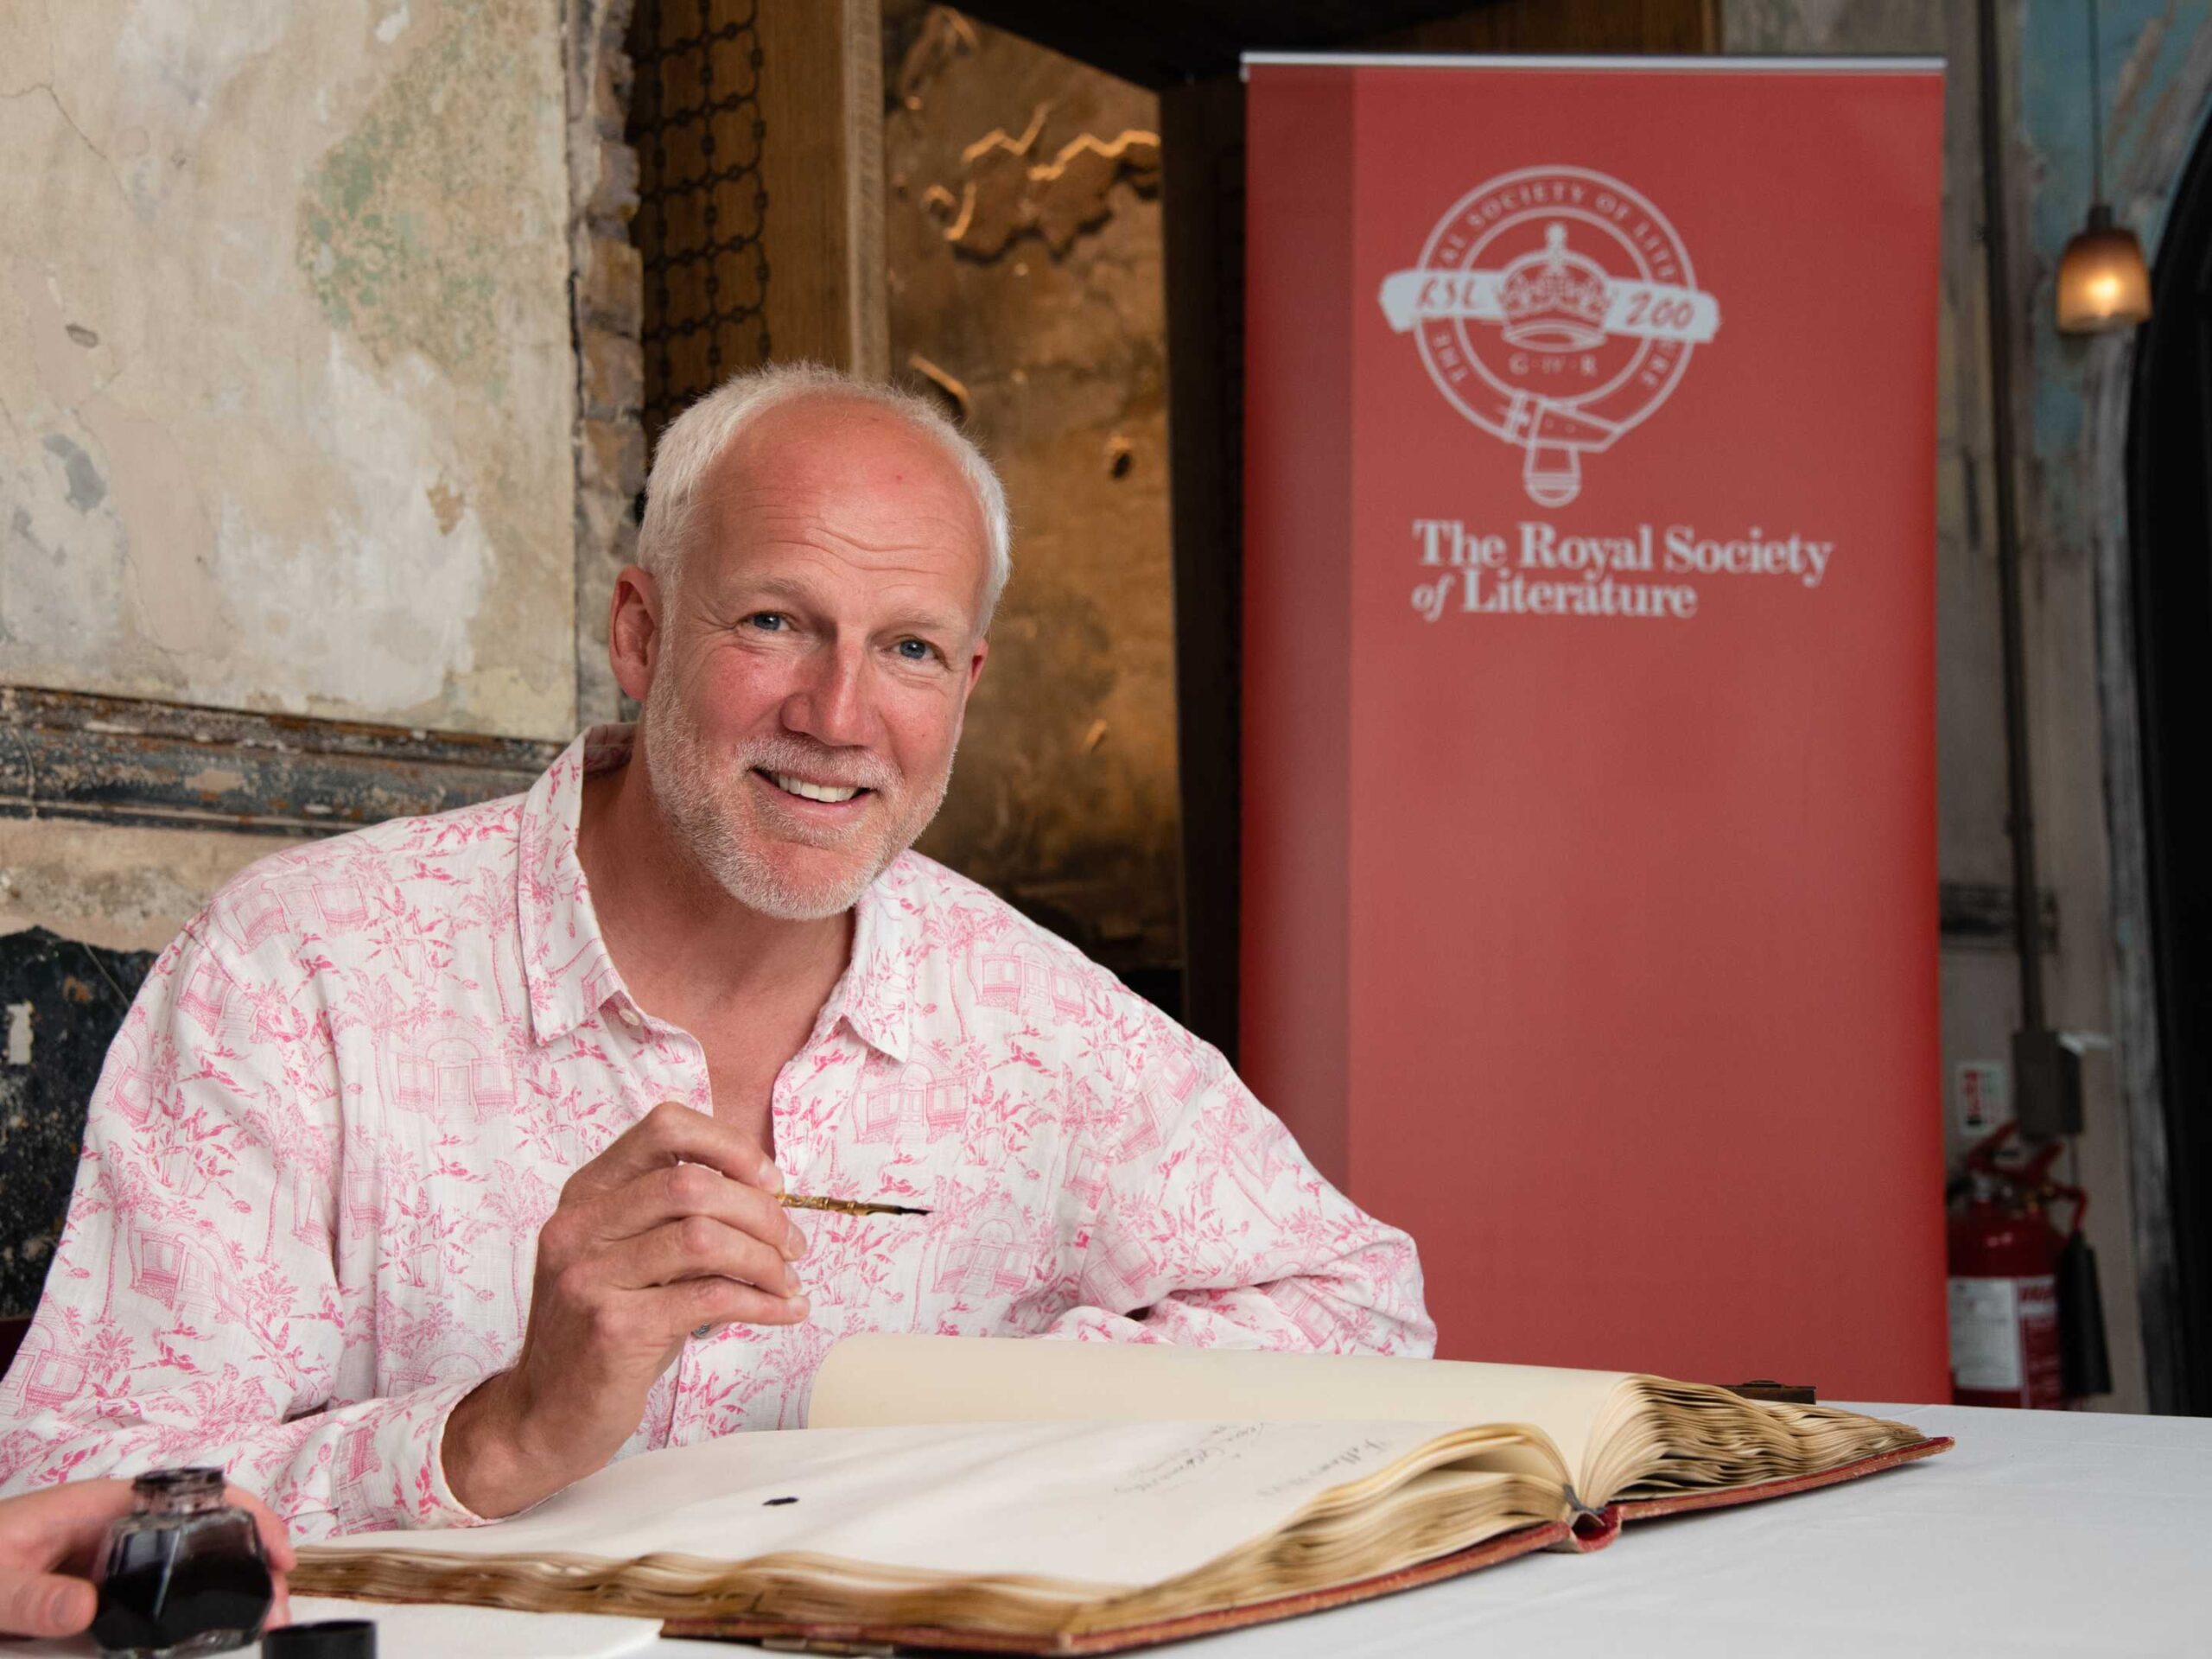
2169,531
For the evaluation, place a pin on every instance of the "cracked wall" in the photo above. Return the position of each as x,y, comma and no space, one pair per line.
1026,290
286,387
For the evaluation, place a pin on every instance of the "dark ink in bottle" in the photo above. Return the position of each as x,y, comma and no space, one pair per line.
184,1573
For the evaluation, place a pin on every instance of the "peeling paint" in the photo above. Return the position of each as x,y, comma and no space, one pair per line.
447,504
402,225
342,484
125,887
216,780
948,386
87,489
943,37
1004,197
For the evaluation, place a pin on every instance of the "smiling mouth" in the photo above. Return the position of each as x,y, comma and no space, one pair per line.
832,794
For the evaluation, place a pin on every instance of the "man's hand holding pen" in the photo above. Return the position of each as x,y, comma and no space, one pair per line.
676,1226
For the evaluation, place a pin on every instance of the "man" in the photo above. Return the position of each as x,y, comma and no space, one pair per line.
436,1165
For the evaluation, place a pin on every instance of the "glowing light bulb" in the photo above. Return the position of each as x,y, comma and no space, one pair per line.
2103,284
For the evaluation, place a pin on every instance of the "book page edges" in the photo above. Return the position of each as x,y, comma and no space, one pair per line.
1595,1533
831,1636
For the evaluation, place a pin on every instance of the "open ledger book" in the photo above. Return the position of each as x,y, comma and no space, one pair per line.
1081,1498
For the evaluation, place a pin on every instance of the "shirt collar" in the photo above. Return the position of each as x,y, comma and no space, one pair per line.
876,995
565,959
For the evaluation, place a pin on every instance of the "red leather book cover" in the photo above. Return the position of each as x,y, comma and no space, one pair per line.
1589,914
1597,1530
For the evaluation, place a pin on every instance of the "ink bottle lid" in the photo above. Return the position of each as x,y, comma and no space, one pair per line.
328,1639
183,1573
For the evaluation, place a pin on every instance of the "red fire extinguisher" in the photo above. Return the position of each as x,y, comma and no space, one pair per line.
2006,1265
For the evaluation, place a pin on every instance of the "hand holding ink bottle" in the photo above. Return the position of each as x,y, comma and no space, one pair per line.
53,1540
184,1573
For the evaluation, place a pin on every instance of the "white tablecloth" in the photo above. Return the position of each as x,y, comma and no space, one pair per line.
2079,1534
425,1632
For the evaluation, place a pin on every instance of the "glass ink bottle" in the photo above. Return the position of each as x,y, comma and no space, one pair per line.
184,1573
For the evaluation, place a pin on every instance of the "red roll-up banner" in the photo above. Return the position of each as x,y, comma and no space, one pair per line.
1590,894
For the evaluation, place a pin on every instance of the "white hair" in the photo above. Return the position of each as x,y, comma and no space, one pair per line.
694,439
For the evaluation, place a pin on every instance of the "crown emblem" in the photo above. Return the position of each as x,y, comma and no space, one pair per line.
1554,300
1513,343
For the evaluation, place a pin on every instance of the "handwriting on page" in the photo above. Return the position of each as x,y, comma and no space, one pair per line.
1352,1460
1219,1444
1222,1446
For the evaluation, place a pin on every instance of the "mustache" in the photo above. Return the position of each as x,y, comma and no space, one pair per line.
840,768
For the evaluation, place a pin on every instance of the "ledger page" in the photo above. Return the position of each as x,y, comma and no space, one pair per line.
883,1379
1111,1506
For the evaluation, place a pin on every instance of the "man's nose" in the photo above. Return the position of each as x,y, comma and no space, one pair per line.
831,703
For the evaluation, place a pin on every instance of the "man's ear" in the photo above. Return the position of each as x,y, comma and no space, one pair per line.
633,630
975,665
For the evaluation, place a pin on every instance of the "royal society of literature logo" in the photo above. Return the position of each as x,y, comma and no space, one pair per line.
1556,308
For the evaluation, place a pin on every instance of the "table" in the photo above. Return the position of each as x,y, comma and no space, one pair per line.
2081,1535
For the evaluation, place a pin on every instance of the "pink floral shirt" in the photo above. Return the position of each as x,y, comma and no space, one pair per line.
348,1096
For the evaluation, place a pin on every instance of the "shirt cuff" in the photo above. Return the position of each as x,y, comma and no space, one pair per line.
410,1442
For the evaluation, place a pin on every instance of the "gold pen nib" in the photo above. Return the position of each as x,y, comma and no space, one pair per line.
845,1206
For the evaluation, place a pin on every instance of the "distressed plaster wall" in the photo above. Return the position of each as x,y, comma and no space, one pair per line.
2155,93
287,389
1025,285
2069,405
121,887
610,285
318,396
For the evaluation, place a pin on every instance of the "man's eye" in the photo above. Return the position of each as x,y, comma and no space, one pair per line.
915,651
766,621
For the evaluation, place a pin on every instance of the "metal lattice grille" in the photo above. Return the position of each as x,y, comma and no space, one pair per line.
695,123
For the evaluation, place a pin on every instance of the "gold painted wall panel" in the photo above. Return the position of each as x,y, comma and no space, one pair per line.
1023,249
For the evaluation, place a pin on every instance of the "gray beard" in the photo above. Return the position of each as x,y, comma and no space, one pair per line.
702,800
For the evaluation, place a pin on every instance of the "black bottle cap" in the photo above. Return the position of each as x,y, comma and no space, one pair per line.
330,1639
